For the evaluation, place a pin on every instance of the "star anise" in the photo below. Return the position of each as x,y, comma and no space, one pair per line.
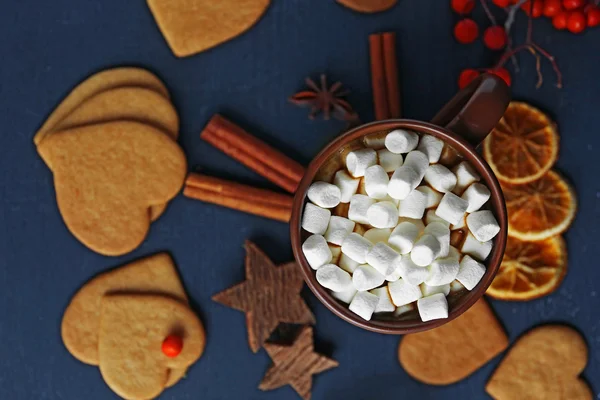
325,100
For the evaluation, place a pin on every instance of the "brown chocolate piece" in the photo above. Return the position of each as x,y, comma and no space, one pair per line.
295,365
270,295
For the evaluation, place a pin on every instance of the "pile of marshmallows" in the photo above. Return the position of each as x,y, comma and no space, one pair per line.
405,256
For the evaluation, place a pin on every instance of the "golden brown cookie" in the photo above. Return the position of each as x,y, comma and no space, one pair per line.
368,6
545,363
132,330
192,26
453,351
99,82
80,324
106,176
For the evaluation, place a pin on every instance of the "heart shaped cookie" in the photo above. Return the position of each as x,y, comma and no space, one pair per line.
192,26
453,351
155,274
133,328
544,364
106,176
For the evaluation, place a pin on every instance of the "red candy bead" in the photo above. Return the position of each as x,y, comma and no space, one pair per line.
573,4
576,22
462,6
501,3
494,37
172,346
552,8
466,31
502,73
593,17
466,77
559,21
538,8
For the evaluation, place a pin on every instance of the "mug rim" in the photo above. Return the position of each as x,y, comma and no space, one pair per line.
492,263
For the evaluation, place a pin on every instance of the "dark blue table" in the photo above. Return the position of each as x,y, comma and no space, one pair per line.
49,46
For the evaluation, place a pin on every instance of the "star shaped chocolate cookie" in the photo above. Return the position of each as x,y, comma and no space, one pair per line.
270,295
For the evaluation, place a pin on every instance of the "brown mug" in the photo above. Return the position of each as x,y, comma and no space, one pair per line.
462,124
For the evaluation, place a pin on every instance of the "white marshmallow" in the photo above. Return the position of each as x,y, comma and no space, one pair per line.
383,258
377,235
483,225
385,301
403,237
425,250
324,194
403,293
383,214
403,309
338,229
432,147
442,271
356,247
345,296
334,278
440,178
476,195
365,277
359,205
363,304
391,199
441,232
418,161
413,205
376,141
394,276
347,185
429,290
455,286
431,216
336,253
403,182
433,307
401,141
316,251
475,248
465,175
315,219
454,253
411,272
358,161
376,182
416,222
470,272
432,197
461,224
348,264
452,208
388,160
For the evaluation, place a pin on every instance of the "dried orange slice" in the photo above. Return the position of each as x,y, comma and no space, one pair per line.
539,209
522,146
530,269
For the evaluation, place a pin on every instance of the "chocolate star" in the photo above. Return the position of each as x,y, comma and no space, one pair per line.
295,365
270,295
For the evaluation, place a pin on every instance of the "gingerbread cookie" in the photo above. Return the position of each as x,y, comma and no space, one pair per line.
99,82
544,364
453,351
81,321
106,177
192,26
133,328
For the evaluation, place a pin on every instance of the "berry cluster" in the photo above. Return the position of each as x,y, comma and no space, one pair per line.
573,15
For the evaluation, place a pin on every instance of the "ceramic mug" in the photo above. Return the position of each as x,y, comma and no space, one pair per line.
462,124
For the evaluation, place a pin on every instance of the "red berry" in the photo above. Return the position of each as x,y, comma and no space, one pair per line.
593,17
552,7
538,8
559,21
172,346
466,31
576,22
573,4
502,73
462,6
501,3
466,77
494,37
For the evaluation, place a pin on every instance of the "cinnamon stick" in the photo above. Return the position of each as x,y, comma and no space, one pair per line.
384,75
261,202
253,153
